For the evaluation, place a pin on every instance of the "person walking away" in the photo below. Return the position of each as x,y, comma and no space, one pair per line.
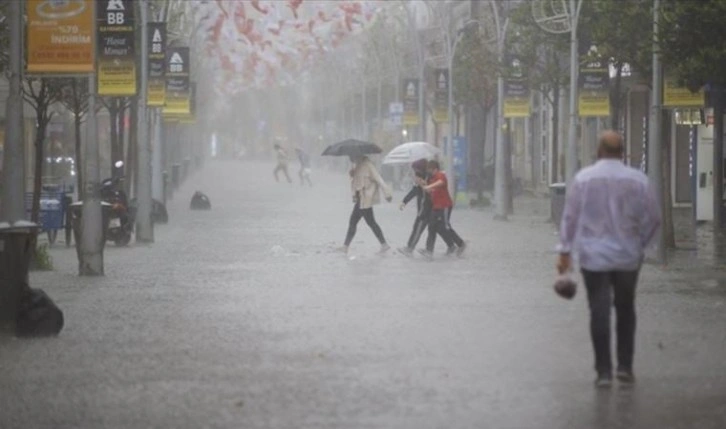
282,161
305,169
366,186
442,205
611,215
423,213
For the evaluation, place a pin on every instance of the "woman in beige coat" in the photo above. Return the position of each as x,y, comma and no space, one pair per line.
366,185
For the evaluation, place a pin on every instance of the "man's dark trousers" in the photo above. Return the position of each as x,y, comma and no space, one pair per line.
605,289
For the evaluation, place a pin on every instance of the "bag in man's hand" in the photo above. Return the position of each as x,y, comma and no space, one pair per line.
565,286
200,202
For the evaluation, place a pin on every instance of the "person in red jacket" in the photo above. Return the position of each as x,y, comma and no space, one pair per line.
438,188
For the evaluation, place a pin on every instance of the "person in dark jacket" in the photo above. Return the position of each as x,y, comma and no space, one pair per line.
423,210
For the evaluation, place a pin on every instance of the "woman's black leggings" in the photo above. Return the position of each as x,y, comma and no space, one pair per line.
366,214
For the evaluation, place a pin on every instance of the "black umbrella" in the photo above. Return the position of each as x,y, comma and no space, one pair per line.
352,147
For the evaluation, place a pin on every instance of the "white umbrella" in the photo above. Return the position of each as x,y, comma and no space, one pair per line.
407,153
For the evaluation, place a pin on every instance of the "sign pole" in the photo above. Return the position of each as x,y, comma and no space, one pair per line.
144,224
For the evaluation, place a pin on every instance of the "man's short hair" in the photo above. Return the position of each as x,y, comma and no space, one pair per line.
434,164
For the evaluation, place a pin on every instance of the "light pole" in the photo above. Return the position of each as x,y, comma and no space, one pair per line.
555,16
13,202
144,225
501,190
655,155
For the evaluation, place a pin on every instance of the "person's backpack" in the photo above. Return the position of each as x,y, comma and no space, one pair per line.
38,316
200,202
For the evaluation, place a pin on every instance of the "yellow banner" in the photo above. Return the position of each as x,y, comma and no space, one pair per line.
60,36
678,96
516,108
156,93
177,104
594,104
117,78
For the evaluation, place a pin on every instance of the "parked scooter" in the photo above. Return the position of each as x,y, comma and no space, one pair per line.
122,215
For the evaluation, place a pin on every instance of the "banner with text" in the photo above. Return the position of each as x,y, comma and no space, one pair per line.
191,118
60,36
594,97
441,96
516,92
675,95
177,82
116,48
156,91
411,96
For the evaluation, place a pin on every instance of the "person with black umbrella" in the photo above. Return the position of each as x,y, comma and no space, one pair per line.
366,186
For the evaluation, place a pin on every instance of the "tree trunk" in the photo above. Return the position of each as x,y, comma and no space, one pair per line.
113,112
669,238
481,166
508,167
79,164
616,98
42,123
121,128
130,169
555,134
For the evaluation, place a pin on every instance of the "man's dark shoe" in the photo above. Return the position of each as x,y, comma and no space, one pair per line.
460,250
625,376
604,381
451,250
406,251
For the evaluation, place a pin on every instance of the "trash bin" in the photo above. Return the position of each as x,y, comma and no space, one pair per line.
76,210
15,251
557,202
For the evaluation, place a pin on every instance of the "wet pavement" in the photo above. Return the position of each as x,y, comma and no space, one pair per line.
246,317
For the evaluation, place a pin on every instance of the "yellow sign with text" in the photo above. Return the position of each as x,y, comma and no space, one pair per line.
60,36
515,107
594,104
678,96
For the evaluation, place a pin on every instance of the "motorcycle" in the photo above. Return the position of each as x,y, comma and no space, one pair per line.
122,216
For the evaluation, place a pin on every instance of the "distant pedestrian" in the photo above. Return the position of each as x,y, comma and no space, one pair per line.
366,186
423,206
611,214
441,207
305,169
282,161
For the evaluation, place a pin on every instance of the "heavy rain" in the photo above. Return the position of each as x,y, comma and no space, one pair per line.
362,214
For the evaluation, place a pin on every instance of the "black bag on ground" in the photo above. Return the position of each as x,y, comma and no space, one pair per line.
38,316
200,202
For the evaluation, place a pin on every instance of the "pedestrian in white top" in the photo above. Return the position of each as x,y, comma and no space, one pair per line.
611,215
366,185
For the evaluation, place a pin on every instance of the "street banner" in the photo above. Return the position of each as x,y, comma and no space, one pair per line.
157,65
191,118
411,96
675,95
441,96
516,92
115,45
60,36
594,97
177,82
395,113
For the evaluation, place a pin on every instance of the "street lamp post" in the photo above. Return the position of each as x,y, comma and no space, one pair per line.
501,190
144,225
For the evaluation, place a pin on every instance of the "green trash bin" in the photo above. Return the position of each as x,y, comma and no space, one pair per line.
15,251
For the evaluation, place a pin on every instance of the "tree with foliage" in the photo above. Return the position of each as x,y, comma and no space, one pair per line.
693,47
622,33
544,58
41,94
474,76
